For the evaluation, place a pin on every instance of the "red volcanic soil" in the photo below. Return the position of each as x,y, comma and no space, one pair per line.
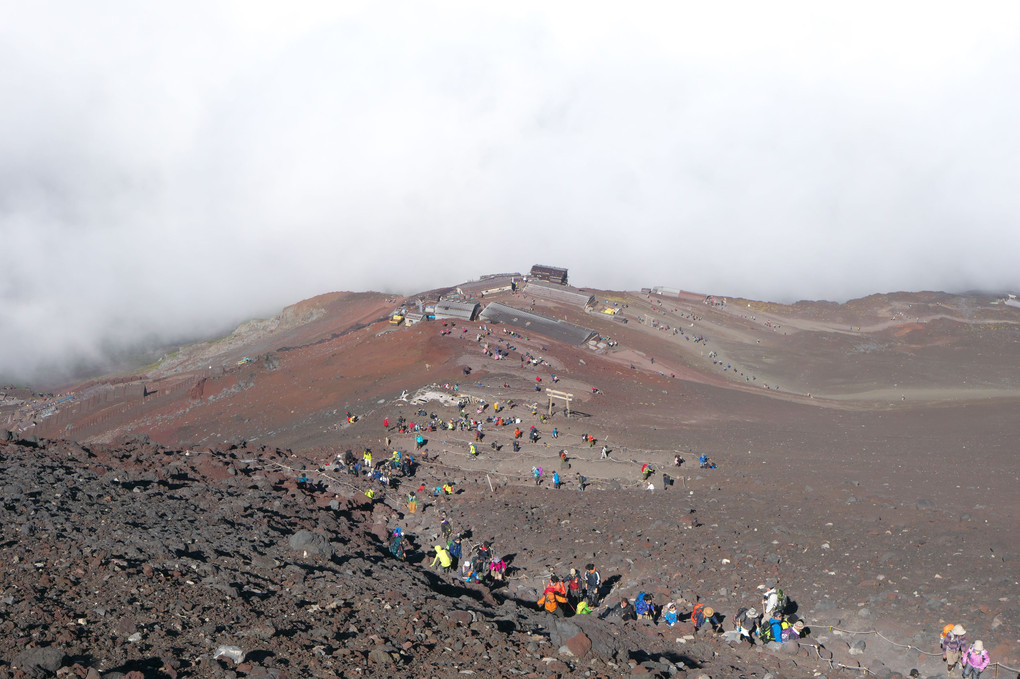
865,452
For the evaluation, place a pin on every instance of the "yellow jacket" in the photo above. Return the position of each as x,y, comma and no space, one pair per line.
443,557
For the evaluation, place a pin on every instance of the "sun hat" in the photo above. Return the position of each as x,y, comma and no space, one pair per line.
959,631
799,625
709,611
751,613
979,646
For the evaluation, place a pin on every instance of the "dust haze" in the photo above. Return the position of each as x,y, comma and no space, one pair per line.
169,170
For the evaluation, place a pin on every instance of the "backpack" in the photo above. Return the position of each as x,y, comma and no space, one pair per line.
698,608
945,631
641,605
782,601
583,609
765,631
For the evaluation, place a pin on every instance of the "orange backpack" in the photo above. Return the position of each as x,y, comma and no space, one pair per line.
946,630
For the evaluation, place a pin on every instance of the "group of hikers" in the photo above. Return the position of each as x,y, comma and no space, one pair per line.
972,659
579,594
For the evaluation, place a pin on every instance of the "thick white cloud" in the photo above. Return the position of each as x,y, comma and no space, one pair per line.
168,170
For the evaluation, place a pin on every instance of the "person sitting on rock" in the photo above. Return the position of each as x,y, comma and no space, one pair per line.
644,608
794,631
551,600
670,614
746,623
624,611
468,571
771,628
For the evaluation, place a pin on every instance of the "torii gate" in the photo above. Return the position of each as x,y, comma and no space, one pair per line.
553,394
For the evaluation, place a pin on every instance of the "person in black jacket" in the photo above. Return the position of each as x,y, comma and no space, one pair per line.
592,581
624,611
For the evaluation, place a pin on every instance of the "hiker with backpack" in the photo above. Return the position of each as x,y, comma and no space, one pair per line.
397,544
773,601
746,622
551,600
792,632
702,614
953,646
975,659
644,608
771,629
556,480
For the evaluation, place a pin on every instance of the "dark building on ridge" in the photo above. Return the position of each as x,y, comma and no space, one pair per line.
549,274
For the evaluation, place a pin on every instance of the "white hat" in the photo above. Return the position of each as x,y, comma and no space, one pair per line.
978,646
751,613
959,631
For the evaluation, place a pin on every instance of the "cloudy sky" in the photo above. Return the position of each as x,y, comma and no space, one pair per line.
169,169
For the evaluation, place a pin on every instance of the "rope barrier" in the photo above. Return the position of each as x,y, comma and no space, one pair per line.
832,628
878,634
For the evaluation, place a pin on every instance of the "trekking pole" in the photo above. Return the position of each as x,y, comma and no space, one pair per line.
491,489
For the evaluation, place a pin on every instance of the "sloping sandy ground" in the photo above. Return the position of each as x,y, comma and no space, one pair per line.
865,452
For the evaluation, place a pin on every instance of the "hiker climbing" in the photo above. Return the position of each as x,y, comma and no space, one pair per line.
443,559
702,614
953,646
551,600
975,659
773,601
746,623
397,544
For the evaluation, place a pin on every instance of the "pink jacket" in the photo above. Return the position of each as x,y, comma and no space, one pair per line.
978,661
